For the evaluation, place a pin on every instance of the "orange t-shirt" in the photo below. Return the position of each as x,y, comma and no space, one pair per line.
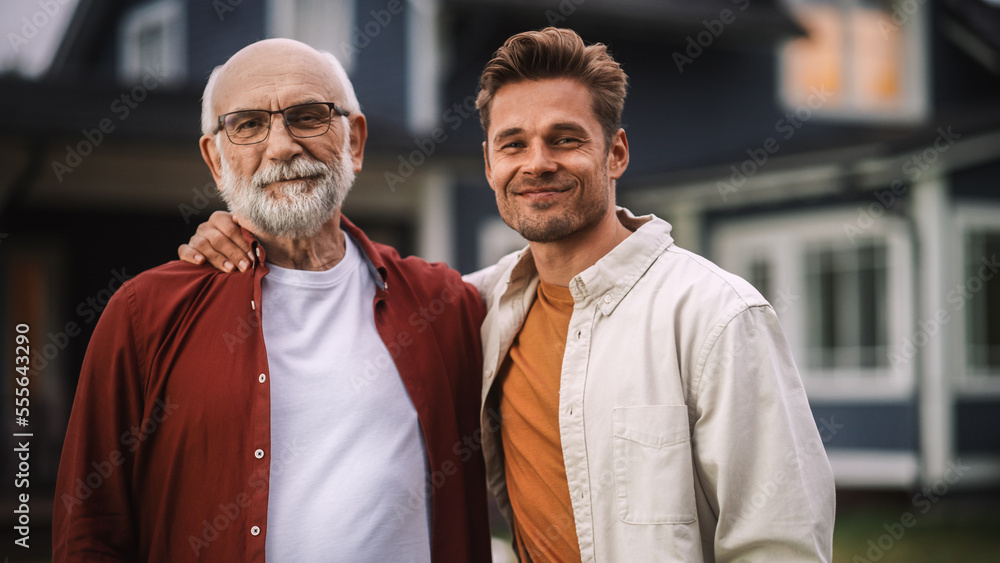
529,406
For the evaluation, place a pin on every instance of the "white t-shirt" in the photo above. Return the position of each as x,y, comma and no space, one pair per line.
349,466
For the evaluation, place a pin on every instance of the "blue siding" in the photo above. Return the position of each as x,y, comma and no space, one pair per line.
473,205
869,426
977,424
722,104
216,30
380,71
978,182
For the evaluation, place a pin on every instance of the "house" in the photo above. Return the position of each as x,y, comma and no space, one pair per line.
867,211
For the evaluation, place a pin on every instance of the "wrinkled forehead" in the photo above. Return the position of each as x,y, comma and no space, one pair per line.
270,75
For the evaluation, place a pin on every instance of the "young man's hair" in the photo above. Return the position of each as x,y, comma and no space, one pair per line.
557,53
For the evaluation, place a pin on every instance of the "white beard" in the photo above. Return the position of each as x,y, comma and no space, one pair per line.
297,209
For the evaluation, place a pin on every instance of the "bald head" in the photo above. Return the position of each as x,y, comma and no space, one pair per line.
267,71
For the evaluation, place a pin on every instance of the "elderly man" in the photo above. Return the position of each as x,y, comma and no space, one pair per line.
289,412
651,409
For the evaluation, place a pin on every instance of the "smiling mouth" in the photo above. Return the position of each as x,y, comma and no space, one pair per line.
296,179
541,195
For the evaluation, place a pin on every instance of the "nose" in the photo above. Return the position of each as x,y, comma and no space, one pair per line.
281,145
540,160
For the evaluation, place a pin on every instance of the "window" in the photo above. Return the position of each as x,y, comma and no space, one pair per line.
152,42
759,275
846,290
845,303
324,24
973,297
868,55
982,290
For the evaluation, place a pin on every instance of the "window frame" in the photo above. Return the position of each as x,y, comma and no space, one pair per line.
785,238
282,18
970,217
169,15
914,92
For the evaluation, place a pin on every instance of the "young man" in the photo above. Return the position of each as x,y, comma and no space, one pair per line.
650,406
291,412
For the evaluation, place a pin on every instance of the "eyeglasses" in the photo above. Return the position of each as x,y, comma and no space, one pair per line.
248,127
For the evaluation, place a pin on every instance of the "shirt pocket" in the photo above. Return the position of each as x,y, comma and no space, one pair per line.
654,479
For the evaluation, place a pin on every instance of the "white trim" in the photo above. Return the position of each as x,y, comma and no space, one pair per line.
983,471
798,177
496,240
968,216
783,239
685,219
873,469
336,16
424,62
914,93
170,16
435,231
931,211
280,18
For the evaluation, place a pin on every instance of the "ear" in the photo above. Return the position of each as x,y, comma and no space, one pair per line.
210,152
486,162
359,134
618,155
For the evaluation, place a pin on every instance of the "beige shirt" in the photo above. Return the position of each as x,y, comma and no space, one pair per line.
685,429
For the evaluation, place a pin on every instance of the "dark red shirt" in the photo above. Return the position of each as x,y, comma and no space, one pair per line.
167,453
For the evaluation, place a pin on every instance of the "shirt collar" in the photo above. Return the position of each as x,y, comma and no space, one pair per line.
372,258
610,279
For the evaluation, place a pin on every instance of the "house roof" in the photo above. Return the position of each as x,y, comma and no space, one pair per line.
846,146
757,21
91,22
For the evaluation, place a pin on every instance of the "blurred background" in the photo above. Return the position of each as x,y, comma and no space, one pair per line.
842,155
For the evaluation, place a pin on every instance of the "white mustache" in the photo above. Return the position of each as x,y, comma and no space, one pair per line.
282,171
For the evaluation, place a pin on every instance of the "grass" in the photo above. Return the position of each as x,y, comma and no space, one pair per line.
892,528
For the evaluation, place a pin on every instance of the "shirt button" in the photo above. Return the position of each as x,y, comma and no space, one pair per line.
607,298
255,531
579,334
253,306
258,454
262,378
